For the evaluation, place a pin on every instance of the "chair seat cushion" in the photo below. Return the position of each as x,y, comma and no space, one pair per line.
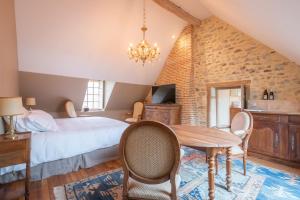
236,150
160,191
240,133
131,120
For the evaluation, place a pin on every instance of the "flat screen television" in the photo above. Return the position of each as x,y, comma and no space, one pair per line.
164,94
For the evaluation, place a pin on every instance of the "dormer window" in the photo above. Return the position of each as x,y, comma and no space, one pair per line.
94,96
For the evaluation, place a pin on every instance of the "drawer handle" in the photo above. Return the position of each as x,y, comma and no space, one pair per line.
276,139
293,142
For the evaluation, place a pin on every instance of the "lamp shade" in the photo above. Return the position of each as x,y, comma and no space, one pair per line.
30,101
10,106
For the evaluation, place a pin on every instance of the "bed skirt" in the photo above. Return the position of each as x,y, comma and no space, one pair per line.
63,166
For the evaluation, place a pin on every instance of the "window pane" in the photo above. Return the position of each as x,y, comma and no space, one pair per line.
90,90
94,95
96,105
96,84
90,104
96,98
91,83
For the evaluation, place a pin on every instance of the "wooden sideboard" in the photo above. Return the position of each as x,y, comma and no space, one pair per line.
276,137
169,114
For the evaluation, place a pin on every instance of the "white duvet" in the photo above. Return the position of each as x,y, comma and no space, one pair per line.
74,137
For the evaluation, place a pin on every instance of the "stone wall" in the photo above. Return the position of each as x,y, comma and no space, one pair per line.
216,52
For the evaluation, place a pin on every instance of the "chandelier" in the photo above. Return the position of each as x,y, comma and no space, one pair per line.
143,52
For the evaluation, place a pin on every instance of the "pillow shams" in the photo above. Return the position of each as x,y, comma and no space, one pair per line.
34,121
42,121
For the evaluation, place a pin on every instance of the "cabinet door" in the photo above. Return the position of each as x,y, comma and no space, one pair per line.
265,138
160,115
294,142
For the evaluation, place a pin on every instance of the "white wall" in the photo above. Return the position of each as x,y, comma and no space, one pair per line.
89,38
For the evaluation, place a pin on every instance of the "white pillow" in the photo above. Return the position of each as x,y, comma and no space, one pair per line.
41,121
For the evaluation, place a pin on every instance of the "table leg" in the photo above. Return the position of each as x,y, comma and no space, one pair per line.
228,169
211,152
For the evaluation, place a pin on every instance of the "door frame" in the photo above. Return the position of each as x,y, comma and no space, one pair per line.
226,85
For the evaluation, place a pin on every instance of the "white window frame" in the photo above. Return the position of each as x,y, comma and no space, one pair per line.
101,95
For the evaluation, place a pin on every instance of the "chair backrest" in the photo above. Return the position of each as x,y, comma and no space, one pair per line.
150,152
70,109
137,109
241,122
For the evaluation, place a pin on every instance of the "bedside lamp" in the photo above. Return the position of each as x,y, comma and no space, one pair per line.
10,107
30,101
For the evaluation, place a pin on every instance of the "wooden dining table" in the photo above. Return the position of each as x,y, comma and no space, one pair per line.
213,140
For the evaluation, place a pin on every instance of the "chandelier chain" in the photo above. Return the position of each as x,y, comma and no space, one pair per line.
144,12
144,28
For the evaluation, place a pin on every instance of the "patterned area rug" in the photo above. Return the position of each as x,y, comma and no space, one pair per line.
261,183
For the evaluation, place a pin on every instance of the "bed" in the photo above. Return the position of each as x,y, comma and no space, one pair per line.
78,143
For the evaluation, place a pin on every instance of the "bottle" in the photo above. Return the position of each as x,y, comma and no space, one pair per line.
271,96
266,95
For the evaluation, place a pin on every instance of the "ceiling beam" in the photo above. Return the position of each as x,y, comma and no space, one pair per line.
178,11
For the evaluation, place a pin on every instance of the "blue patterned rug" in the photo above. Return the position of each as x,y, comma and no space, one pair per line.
261,182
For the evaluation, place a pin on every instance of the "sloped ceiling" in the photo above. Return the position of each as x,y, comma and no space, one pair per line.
89,38
275,23
193,7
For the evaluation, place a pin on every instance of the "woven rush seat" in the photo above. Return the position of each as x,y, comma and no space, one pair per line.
160,191
150,154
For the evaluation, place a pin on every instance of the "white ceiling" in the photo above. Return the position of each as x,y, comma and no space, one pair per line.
89,38
194,7
275,23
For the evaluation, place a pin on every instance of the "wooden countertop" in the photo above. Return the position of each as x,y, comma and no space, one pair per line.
269,112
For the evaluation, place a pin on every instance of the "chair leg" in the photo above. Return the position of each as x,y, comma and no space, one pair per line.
217,165
245,164
173,189
125,185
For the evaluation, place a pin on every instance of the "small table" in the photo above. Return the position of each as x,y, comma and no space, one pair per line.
17,151
213,140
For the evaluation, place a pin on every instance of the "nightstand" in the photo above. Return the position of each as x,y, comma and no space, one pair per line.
13,152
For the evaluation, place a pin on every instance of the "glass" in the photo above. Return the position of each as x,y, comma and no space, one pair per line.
94,95
90,105
91,84
96,83
96,105
90,90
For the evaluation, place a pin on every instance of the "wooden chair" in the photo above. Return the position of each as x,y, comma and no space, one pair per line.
150,154
138,108
70,109
242,126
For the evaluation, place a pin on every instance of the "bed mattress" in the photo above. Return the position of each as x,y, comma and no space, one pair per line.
75,136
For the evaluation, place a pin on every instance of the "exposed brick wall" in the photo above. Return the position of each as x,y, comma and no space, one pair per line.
178,69
216,52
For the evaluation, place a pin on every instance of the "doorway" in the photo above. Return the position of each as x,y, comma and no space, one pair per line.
223,100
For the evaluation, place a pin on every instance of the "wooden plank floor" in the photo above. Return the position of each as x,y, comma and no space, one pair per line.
43,190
